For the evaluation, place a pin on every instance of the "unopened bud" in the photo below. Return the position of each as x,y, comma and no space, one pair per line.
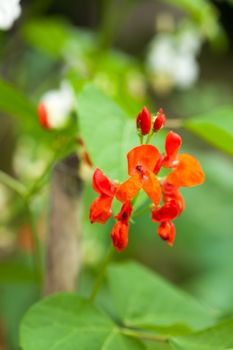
160,120
43,116
144,121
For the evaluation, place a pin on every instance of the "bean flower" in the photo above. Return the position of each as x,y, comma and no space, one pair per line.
55,107
144,165
10,10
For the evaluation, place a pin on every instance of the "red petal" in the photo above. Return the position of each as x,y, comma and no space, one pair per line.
43,116
167,232
151,186
102,184
187,173
100,210
125,213
169,211
120,235
144,156
128,189
172,146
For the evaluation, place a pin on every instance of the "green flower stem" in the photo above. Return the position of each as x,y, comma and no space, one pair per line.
149,137
143,335
142,211
101,273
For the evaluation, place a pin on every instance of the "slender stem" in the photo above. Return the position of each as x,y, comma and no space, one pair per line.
149,137
143,335
142,211
12,183
38,258
140,138
101,273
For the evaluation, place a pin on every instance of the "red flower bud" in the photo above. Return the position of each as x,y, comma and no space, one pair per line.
144,121
120,235
159,121
167,232
43,116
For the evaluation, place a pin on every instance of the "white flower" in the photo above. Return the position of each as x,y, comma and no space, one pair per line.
173,58
10,10
56,105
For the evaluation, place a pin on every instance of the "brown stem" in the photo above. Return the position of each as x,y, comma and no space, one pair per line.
63,254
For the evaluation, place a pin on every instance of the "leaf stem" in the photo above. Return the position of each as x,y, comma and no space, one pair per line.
12,183
101,273
143,335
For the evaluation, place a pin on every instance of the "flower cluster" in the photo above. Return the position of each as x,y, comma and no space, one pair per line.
144,165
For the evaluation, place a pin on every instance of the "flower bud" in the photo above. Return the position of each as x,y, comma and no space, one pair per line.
144,121
43,116
160,120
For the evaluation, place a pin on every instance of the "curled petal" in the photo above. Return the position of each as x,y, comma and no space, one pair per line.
120,235
187,173
128,189
167,232
102,184
169,211
172,146
125,212
144,157
100,210
151,186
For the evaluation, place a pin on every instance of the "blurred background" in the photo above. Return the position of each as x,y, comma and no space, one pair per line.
175,54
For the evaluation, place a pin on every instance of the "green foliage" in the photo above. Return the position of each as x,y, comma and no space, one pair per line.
66,321
14,103
47,34
153,311
154,303
107,131
203,13
215,127
219,337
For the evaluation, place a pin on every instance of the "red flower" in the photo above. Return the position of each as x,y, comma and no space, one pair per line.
144,163
121,228
100,210
144,121
159,121
141,162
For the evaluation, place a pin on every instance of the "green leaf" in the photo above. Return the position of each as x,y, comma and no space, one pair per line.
107,131
14,103
216,127
67,322
219,337
48,35
143,299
